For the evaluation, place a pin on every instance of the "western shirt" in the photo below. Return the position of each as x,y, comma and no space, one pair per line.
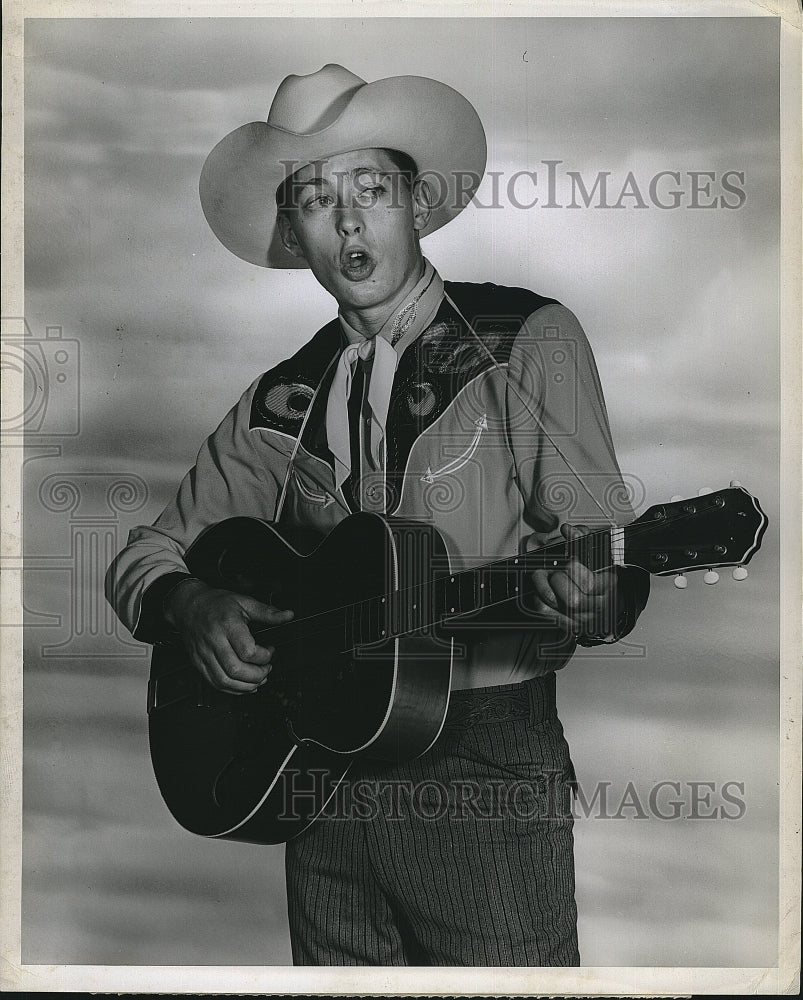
497,432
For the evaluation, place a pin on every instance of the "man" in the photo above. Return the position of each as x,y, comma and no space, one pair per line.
474,407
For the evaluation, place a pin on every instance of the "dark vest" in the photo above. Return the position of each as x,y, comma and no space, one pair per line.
443,359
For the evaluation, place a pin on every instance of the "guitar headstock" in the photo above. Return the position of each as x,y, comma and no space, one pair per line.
719,528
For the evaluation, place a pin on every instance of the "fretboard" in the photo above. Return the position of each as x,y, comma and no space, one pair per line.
472,592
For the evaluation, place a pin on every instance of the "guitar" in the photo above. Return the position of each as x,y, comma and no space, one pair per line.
364,668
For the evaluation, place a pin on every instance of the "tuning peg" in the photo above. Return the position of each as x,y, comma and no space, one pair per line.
735,482
681,582
703,490
740,573
677,497
711,577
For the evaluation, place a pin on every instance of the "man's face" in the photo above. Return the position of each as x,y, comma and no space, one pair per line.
355,220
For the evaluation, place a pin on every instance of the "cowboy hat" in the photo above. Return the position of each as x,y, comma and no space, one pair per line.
329,112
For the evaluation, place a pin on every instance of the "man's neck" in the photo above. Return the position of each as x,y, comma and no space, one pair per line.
370,321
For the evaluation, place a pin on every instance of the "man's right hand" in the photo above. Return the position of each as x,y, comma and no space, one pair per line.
214,627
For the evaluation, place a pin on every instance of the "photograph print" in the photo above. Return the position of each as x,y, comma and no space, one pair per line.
402,487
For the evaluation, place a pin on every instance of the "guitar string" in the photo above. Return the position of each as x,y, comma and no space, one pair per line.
634,530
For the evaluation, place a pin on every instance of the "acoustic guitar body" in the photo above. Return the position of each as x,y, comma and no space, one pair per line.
260,767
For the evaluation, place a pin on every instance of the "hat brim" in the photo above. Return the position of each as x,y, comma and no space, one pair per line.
424,118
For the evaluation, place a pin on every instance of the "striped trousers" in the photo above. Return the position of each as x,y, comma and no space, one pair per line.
462,857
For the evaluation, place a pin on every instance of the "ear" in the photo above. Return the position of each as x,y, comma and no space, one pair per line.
422,204
288,237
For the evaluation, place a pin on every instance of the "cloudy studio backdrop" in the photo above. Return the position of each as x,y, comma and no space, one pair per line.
157,329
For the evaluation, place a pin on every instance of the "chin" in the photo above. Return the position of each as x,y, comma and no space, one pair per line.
361,293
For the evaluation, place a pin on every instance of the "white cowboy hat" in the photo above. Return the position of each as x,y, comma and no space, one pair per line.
330,112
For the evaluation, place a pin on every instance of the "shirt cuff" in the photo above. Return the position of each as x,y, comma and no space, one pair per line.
152,626
634,588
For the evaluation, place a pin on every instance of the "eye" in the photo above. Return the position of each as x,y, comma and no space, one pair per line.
319,201
368,193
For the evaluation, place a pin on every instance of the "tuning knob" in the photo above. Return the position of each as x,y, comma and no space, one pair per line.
740,573
735,482
677,497
681,582
711,577
703,490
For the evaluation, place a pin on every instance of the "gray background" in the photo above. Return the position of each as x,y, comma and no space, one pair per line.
680,306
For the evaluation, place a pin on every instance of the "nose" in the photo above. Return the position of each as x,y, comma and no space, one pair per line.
349,220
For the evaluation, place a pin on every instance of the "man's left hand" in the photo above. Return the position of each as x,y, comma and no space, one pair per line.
580,602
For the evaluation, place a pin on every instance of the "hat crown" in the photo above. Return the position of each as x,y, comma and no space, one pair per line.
306,104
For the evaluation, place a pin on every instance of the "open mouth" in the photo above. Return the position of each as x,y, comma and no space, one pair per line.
356,265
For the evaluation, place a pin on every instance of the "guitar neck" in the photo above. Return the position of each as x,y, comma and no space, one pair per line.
484,587
713,529
474,591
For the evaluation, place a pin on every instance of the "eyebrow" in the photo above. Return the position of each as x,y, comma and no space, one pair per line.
319,182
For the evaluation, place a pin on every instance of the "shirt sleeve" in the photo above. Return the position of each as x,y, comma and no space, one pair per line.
239,471
565,462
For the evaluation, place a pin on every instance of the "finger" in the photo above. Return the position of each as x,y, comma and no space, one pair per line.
543,589
214,674
569,596
552,618
582,577
236,669
264,614
544,603
261,655
247,648
571,532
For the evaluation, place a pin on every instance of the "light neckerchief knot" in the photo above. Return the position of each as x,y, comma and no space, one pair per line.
380,351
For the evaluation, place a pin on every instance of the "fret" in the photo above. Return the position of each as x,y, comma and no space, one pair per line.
403,612
519,580
383,615
426,612
390,607
367,621
429,605
497,591
351,613
401,602
413,609
420,606
472,580
452,595
515,575
597,550
465,589
480,581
